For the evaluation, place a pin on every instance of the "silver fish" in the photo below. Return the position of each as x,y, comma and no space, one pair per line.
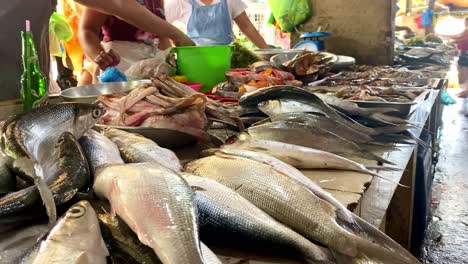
75,239
304,135
236,227
99,150
282,106
208,255
135,149
294,205
157,204
17,242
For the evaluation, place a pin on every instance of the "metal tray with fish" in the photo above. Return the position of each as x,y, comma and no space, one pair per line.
385,82
404,109
166,138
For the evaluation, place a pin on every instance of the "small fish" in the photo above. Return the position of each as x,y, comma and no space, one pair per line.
283,106
75,239
351,108
17,242
135,149
157,204
235,227
99,150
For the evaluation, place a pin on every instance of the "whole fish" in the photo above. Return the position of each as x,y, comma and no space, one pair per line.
33,135
322,122
157,204
99,150
122,242
295,206
237,228
17,242
72,175
135,149
304,135
282,106
303,96
351,108
75,239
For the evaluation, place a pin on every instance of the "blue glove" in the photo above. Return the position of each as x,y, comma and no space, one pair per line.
111,74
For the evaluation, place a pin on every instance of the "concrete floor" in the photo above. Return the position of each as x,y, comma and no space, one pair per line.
447,235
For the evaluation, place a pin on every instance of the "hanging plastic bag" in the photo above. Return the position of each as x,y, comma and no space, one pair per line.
290,14
147,68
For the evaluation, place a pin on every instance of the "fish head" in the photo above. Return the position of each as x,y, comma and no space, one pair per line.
80,229
270,107
86,116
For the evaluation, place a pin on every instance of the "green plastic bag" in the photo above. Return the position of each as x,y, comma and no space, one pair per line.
290,14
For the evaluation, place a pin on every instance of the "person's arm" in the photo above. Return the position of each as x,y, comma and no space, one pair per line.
246,26
139,16
90,26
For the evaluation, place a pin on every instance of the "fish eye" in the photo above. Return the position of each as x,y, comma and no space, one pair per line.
76,211
97,113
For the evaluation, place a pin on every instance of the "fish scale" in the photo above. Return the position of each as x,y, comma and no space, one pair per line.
232,224
292,204
157,204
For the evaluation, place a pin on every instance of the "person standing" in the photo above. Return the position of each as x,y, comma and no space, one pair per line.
461,41
209,22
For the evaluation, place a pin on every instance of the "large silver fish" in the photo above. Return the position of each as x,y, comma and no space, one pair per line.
33,135
76,239
295,206
237,228
99,150
157,204
18,241
135,149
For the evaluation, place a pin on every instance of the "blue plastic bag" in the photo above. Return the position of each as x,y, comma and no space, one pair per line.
111,74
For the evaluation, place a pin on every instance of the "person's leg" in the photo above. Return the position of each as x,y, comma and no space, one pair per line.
463,80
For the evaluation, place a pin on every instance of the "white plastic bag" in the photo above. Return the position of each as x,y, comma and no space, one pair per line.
147,68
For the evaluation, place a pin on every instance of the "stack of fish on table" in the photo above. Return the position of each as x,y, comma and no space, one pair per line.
122,198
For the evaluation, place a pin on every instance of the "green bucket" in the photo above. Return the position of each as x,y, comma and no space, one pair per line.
204,64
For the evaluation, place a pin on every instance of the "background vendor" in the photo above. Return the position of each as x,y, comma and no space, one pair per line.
209,22
122,44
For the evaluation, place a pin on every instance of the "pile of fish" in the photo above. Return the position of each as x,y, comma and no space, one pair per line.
124,199
364,71
375,94
164,104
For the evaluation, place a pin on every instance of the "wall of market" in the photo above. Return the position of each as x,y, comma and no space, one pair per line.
361,28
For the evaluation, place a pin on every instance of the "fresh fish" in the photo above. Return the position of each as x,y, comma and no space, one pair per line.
75,239
351,108
135,149
73,175
295,206
304,135
323,122
209,256
16,243
33,135
122,242
283,106
99,150
303,96
7,179
237,228
157,204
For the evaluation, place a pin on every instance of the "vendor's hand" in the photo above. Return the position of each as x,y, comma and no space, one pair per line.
107,59
183,40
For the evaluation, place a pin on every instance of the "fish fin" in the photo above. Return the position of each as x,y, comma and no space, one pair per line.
112,213
197,188
387,179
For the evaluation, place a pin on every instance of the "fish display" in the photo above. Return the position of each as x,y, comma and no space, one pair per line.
295,206
307,136
235,227
73,175
99,150
75,239
157,204
137,149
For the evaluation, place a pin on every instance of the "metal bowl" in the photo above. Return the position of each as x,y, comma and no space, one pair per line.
89,93
266,54
279,59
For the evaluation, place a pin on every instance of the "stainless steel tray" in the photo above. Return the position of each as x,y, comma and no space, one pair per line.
417,82
166,138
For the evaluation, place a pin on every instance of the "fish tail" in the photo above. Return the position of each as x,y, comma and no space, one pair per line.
387,179
383,248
